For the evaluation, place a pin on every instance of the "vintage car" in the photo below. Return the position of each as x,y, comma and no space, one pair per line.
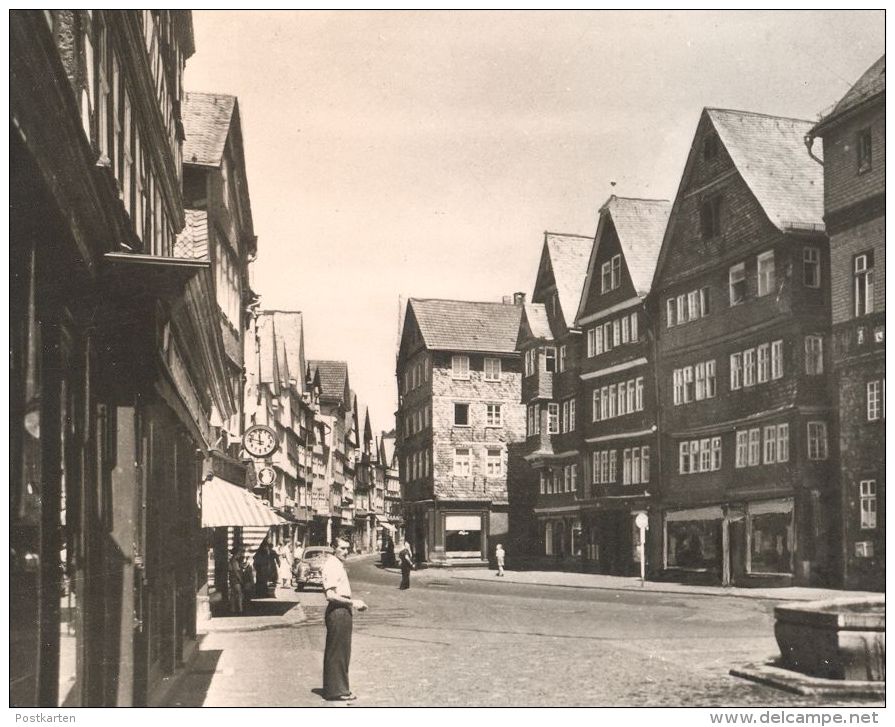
308,570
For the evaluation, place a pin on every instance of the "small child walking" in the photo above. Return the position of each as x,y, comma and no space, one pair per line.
500,554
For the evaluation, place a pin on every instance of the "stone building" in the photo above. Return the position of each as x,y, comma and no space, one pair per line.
459,381
854,153
549,462
616,373
116,375
741,311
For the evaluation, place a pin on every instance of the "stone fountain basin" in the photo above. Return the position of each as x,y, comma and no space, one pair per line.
835,639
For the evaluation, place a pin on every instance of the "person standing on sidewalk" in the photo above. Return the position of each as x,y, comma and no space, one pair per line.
234,581
406,559
339,623
500,554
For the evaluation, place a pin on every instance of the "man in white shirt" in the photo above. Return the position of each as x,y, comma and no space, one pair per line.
339,623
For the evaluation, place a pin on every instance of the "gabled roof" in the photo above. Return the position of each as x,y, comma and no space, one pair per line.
460,325
568,256
534,323
769,153
333,379
192,242
870,84
269,373
289,330
640,226
206,124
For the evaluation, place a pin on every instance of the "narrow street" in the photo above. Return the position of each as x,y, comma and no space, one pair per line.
449,641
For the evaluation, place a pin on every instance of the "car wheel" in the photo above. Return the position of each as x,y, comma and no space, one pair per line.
300,587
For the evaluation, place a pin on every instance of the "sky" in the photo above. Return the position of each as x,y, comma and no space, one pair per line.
425,153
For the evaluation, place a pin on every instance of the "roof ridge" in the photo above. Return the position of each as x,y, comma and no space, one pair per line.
212,94
457,300
758,113
568,234
278,310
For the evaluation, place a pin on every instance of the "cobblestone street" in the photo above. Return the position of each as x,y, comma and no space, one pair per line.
452,641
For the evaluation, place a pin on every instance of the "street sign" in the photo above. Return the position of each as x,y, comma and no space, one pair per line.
267,476
642,521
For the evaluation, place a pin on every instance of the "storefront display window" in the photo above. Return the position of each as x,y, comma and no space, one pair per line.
771,542
463,533
694,544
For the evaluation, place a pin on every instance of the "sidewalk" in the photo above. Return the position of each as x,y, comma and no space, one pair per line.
261,614
622,583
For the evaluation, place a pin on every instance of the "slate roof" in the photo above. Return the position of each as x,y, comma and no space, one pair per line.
769,153
206,124
288,328
870,84
192,242
333,376
640,225
535,315
269,373
461,325
568,260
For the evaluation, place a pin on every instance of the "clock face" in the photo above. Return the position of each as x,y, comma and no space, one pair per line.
260,441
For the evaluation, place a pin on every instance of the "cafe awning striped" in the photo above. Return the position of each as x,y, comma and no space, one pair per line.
224,505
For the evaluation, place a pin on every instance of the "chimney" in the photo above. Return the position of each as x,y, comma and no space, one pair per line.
518,298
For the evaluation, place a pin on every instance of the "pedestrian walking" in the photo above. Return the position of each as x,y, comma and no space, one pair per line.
284,566
500,555
339,622
405,557
235,588
266,561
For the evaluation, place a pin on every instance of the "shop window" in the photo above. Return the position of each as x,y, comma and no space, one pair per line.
463,533
771,540
694,544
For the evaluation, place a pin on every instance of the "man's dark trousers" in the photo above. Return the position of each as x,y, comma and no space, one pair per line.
337,656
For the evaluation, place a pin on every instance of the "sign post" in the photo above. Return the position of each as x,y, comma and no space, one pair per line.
642,523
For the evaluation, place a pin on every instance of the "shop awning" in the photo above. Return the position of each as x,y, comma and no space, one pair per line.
388,526
224,504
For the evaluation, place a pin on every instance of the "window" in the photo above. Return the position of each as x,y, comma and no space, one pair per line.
626,329
571,415
737,282
460,367
639,402
492,369
770,444
868,504
531,362
568,415
693,304
626,467
864,549
703,302
689,385
710,217
863,284
811,267
493,415
591,342
766,272
543,483
783,442
814,355
461,415
705,455
678,386
622,398
552,418
611,274
534,420
493,463
573,469
764,362
683,312
635,334
616,334
630,394
742,451
736,371
462,462
694,456
670,312
716,453
684,458
595,405
644,465
550,359
817,440
865,150
613,467
777,360
754,447
873,401
612,402
562,358
749,367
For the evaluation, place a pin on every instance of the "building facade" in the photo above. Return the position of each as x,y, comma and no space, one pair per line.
115,373
854,157
616,376
741,313
549,463
459,378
